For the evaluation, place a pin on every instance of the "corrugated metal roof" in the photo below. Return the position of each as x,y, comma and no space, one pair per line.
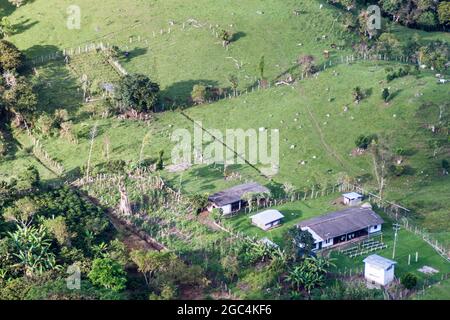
236,193
267,217
353,195
342,222
379,261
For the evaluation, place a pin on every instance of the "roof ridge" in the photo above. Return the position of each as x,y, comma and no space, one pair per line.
336,218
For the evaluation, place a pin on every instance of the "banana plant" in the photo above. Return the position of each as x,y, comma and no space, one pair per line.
32,250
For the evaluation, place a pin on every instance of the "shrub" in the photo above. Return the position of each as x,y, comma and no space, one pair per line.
385,94
364,141
108,273
45,124
409,280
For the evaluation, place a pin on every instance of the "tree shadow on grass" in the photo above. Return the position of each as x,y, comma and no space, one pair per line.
12,144
40,50
394,94
136,52
237,36
179,93
6,8
24,26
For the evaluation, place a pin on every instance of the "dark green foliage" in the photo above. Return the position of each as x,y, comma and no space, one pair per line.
85,220
299,243
435,54
57,290
10,57
160,161
363,141
445,165
30,177
385,94
401,72
138,92
21,98
398,170
409,280
109,274
198,202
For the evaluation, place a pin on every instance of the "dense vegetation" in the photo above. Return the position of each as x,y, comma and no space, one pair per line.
382,123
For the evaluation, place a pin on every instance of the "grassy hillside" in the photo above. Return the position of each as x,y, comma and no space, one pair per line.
310,115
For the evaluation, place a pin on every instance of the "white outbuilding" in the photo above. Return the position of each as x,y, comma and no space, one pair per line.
379,270
267,219
352,198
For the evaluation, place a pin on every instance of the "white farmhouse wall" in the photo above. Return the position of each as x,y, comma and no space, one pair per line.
226,209
326,244
378,275
374,274
374,229
389,275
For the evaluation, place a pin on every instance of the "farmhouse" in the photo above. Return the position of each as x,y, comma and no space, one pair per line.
352,198
342,226
379,270
233,199
268,219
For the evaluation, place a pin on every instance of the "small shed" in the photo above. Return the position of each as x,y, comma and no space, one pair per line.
379,270
233,199
267,219
352,198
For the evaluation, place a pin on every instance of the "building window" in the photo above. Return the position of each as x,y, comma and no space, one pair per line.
375,227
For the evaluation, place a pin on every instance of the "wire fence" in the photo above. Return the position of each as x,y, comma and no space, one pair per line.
403,216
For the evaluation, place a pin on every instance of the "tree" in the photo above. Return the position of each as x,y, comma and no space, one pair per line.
10,57
444,12
388,44
160,161
307,64
261,67
357,94
409,280
21,99
138,92
289,189
385,95
364,28
234,83
199,94
230,266
58,228
198,202
363,141
30,177
6,29
45,124
108,273
226,37
299,243
22,212
445,164
149,263
428,20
